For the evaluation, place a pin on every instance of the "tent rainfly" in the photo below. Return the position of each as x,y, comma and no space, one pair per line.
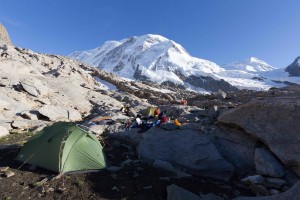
150,111
63,147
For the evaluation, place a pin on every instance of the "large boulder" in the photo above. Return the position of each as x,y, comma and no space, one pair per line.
186,149
55,113
34,86
274,122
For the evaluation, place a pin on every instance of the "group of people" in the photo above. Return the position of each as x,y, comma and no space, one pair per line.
159,117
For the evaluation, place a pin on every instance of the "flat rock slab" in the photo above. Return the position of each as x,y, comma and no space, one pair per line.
185,148
55,113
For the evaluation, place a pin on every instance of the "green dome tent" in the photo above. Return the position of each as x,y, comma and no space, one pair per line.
63,147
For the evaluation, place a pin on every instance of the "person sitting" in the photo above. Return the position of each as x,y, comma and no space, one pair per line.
162,114
183,102
162,117
156,112
135,124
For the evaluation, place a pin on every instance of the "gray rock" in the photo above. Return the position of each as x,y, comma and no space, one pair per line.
169,167
256,179
291,194
211,196
266,163
73,115
28,124
6,124
187,149
32,115
276,181
260,190
34,87
98,129
4,105
236,147
274,192
178,193
220,94
168,126
55,113
114,168
262,119
3,131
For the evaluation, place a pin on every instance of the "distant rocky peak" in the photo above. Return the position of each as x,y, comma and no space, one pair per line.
4,37
294,68
298,60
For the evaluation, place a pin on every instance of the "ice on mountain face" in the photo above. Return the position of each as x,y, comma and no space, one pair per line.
160,76
105,85
251,65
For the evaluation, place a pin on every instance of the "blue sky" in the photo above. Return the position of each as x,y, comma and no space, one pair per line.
218,30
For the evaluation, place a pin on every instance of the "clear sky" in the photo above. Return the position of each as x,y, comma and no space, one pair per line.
217,30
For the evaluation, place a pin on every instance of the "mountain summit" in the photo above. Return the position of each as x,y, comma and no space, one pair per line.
157,59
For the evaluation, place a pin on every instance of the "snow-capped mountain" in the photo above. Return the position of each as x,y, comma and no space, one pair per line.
158,59
154,58
256,74
250,65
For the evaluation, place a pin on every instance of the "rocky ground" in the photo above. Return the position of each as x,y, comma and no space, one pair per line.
134,179
130,177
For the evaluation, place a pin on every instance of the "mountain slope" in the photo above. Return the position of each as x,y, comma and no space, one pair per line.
294,68
157,59
250,65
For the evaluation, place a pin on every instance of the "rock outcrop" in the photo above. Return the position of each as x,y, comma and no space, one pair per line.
4,38
273,121
294,68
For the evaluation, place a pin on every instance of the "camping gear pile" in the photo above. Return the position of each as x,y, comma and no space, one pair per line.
154,117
